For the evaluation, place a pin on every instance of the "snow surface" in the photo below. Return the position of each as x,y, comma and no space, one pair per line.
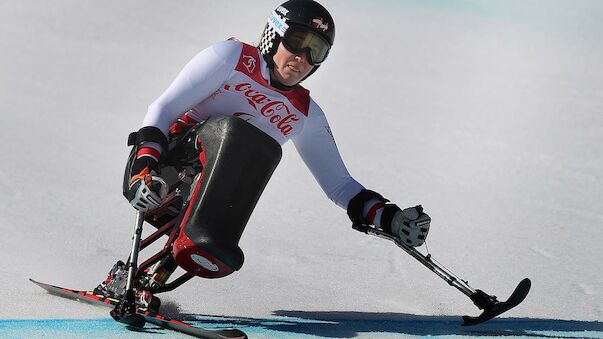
489,114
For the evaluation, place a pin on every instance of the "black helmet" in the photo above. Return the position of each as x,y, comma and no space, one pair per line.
299,16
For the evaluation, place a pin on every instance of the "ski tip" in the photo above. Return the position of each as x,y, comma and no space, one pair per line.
36,282
41,284
526,283
522,290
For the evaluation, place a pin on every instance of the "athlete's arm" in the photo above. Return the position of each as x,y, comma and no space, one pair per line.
317,148
201,77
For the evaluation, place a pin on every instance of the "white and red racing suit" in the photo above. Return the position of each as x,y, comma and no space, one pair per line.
230,78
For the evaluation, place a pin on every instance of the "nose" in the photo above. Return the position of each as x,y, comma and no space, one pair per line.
301,57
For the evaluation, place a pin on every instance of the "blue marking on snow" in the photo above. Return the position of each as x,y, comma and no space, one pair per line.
297,324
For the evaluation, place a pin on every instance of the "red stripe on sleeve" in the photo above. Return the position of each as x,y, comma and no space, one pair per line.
148,151
370,217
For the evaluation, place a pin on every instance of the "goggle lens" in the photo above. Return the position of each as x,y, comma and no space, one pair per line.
304,41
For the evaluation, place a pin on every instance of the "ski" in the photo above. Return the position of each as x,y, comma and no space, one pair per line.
142,316
85,296
488,303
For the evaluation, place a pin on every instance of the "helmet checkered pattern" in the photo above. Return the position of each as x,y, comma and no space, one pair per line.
268,40
270,36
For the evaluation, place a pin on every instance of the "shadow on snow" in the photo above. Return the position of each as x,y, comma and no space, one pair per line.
350,324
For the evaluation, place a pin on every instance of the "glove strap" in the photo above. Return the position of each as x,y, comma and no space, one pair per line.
148,134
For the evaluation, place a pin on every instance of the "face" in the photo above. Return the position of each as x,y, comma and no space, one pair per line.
289,68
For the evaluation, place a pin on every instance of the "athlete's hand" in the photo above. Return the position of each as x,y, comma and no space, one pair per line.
411,225
147,189
147,192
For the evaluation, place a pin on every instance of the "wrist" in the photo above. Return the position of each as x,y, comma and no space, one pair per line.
356,206
149,150
146,163
387,217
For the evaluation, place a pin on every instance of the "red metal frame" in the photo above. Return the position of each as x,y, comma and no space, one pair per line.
171,229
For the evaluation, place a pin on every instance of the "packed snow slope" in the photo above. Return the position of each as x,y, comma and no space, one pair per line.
489,114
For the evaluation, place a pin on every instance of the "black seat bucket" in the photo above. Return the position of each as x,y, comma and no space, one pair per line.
238,160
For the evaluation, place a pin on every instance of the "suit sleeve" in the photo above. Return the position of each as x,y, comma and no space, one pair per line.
318,150
200,78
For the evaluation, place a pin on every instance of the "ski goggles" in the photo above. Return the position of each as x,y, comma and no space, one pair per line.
300,40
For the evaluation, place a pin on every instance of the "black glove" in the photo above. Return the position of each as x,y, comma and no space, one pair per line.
411,225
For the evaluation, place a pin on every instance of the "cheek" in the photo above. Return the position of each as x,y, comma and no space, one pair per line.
281,55
308,69
277,59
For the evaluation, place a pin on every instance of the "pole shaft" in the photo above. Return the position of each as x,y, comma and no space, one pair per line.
427,262
133,267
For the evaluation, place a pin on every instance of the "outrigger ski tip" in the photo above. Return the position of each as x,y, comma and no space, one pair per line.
493,307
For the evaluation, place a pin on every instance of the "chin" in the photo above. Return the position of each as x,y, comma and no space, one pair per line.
291,82
289,78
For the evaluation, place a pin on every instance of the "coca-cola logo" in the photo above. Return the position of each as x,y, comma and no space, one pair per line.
276,111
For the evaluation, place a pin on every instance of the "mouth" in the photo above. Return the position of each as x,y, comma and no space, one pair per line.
293,68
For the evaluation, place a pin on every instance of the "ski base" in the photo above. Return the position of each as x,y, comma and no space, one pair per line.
142,316
496,308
